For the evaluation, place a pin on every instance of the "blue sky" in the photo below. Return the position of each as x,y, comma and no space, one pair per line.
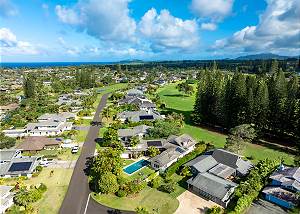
101,30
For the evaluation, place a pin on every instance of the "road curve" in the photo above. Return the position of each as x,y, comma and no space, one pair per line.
75,201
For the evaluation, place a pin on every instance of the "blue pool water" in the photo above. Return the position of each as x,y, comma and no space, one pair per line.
135,166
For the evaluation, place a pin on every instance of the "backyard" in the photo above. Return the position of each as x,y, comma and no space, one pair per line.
178,102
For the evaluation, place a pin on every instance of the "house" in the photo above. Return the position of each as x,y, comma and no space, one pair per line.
228,164
137,116
8,154
213,174
46,128
34,144
6,198
14,165
212,187
143,103
175,148
135,93
284,187
126,134
61,117
166,158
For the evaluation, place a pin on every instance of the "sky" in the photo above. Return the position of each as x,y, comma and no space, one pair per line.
113,30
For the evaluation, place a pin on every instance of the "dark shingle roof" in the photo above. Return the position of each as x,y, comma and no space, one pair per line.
213,185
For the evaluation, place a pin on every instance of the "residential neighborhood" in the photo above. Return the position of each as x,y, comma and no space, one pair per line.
150,107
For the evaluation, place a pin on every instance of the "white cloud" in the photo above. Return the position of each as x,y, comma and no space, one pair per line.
208,26
167,31
11,46
215,10
7,8
105,20
278,31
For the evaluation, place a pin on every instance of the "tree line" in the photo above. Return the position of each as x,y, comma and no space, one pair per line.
271,101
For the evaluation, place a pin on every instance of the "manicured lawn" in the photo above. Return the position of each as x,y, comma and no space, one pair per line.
86,122
174,100
259,152
80,137
57,186
152,199
182,104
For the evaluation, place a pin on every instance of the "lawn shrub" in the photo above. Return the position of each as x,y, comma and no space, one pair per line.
156,182
249,189
121,193
200,148
107,183
168,187
42,187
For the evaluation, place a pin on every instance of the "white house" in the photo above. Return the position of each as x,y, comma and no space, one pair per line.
6,198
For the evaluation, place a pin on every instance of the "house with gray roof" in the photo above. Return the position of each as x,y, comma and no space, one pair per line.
47,125
6,198
175,147
135,92
137,116
284,187
126,134
15,165
212,175
222,162
212,187
143,103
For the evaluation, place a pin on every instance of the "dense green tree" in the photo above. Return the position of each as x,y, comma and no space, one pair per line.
107,183
185,88
163,129
29,86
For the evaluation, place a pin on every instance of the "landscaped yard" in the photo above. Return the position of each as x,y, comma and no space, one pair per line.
175,101
140,174
57,186
154,200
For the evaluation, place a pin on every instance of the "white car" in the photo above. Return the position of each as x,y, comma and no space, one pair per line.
75,149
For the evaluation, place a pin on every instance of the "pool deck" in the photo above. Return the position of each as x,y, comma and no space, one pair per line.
135,161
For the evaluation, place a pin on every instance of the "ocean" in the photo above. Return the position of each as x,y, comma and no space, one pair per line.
48,64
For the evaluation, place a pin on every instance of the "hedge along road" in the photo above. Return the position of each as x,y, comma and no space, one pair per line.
77,200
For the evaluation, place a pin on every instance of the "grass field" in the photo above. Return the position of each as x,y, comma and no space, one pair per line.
177,102
81,135
57,186
152,199
63,154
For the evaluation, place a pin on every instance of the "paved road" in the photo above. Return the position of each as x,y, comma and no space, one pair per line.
75,201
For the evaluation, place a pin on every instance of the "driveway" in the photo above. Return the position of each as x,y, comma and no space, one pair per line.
75,201
265,207
189,203
62,164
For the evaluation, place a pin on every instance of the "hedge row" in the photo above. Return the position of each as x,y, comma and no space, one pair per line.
200,148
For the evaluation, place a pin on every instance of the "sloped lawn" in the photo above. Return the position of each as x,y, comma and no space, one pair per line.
152,199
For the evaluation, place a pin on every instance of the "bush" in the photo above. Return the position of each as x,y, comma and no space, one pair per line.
214,210
121,193
39,168
169,187
42,187
108,183
156,182
200,148
141,210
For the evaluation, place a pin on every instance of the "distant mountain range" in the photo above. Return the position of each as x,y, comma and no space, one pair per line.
265,56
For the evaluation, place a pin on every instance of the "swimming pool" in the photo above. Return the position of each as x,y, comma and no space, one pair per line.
135,166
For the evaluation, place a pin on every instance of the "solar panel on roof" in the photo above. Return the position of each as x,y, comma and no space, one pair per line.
180,150
146,117
154,143
21,166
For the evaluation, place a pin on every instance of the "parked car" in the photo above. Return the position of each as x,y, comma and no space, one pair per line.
75,149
